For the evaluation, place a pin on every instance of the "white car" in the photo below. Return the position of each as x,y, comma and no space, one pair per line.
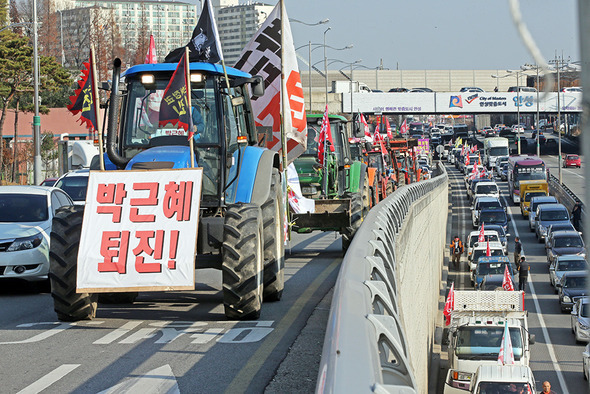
496,249
487,189
518,128
472,239
26,213
75,184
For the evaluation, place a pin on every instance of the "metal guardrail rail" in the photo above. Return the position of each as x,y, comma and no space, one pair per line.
365,349
564,195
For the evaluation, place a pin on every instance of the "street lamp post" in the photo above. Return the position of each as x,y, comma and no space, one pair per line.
558,124
326,64
36,118
61,37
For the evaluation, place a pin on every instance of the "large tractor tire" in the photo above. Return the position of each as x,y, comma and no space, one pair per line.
356,219
243,261
63,263
274,241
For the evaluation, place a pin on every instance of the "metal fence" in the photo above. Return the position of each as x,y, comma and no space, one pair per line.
365,348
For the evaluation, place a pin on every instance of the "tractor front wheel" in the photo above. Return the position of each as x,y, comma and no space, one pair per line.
63,264
242,266
274,241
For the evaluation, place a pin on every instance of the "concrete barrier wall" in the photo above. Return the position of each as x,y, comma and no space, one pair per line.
420,247
380,333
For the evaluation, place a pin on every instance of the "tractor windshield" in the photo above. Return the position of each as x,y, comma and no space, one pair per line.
143,122
313,135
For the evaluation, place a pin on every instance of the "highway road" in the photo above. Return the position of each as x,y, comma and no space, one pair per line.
172,342
555,355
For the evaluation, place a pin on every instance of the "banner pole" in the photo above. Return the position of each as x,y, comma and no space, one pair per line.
187,76
96,108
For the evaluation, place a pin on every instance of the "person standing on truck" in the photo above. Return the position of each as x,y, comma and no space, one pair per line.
577,216
517,251
547,388
456,250
523,273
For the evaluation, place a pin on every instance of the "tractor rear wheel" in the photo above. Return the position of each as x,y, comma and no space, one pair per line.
274,241
242,266
356,219
63,264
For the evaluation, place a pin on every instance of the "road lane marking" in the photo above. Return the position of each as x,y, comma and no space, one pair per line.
49,379
44,335
243,378
550,349
118,333
159,380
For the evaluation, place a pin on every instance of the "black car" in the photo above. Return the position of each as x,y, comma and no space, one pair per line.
494,216
501,233
541,137
573,286
564,242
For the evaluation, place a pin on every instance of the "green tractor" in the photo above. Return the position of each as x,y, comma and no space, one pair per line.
340,188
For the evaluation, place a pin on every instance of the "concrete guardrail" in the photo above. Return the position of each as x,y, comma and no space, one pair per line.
378,339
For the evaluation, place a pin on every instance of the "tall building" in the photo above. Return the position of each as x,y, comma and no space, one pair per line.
237,24
171,23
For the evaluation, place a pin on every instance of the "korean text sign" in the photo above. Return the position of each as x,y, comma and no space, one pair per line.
139,231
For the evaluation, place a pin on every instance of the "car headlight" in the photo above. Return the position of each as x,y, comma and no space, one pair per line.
566,299
584,327
583,254
25,243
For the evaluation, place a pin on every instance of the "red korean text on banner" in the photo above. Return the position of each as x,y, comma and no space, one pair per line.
507,280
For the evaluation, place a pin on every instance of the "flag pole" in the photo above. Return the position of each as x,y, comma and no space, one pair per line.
187,76
284,109
96,108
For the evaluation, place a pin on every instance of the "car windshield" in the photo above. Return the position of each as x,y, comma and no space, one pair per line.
473,160
488,237
503,387
572,158
553,215
498,229
492,217
498,150
486,189
568,242
75,186
585,310
528,196
490,268
489,204
313,134
485,342
482,252
571,265
23,208
575,282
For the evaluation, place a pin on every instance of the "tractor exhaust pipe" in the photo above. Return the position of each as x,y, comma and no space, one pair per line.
112,153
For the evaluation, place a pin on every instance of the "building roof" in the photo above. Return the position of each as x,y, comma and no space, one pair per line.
58,121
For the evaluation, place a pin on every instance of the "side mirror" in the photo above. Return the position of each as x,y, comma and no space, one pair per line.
508,235
257,86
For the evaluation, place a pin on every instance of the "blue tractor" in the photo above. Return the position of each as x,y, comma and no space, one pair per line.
241,222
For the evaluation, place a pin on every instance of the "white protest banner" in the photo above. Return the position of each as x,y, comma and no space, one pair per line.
139,231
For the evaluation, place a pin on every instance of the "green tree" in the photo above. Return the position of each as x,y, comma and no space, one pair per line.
16,74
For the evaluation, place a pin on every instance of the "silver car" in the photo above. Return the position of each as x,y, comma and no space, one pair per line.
580,319
26,213
563,264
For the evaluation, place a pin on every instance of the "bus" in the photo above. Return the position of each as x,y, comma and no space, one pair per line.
524,168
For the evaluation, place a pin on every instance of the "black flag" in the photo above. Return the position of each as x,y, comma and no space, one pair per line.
204,45
174,107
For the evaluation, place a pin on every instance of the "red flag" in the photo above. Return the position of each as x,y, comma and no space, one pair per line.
365,126
488,251
507,281
151,58
389,135
481,237
404,127
325,136
174,107
449,304
467,159
506,355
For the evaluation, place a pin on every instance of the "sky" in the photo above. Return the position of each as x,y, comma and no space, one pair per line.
435,34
